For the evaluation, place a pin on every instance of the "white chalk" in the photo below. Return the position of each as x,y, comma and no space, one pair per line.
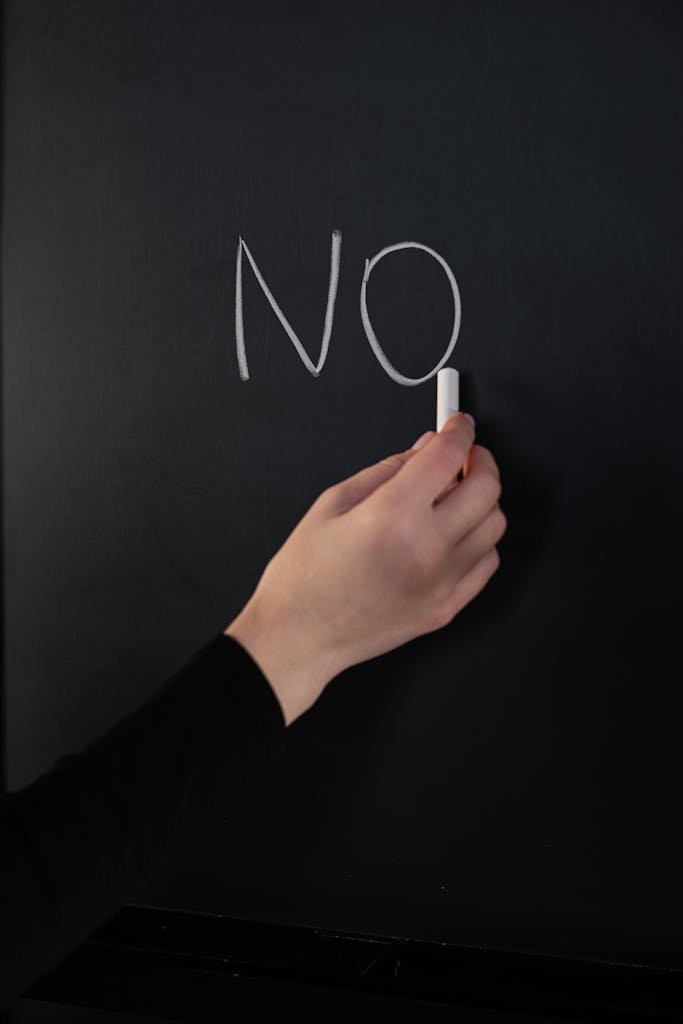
447,395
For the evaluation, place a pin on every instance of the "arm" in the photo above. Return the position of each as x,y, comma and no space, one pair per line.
389,554
79,841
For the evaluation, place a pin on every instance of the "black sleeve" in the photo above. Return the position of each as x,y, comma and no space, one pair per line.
79,841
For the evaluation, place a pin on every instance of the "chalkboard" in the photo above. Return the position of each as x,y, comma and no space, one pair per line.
514,779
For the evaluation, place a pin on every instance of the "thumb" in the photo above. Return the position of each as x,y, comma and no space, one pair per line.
361,485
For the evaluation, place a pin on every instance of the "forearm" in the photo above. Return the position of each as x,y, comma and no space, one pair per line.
79,841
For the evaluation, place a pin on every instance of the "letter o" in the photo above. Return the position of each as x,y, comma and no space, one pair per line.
372,337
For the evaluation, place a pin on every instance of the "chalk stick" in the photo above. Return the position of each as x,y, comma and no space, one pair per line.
447,394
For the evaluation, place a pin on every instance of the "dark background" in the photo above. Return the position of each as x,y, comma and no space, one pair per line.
514,779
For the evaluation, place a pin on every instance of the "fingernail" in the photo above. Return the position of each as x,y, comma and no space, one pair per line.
468,417
422,441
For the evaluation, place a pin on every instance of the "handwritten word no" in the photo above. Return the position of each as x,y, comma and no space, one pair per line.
335,257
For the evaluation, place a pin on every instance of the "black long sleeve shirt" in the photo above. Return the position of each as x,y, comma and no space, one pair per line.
77,843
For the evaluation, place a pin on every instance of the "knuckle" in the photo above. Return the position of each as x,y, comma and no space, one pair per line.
421,559
490,488
326,498
487,455
446,601
417,552
395,461
441,614
500,522
393,528
453,450
375,518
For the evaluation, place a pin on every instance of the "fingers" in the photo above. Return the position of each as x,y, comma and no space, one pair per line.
343,496
350,492
468,504
476,454
431,468
479,542
423,440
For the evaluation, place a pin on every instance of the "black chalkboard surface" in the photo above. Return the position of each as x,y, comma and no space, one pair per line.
513,780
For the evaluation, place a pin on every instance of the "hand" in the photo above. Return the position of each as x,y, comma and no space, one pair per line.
390,553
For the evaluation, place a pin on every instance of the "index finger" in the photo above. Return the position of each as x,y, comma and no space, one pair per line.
433,467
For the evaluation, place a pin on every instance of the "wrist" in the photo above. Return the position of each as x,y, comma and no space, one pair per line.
295,669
